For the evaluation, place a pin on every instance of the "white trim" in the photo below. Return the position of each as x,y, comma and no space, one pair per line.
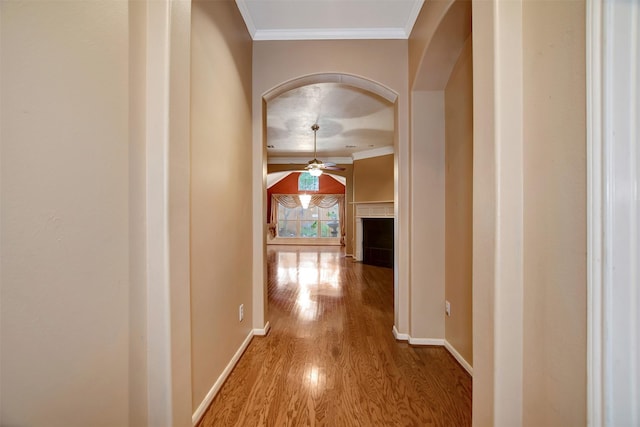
159,373
246,17
275,177
613,237
368,210
426,341
341,179
204,405
374,152
399,336
374,209
458,357
331,34
435,341
371,203
340,78
305,160
595,402
413,16
304,241
263,331
620,212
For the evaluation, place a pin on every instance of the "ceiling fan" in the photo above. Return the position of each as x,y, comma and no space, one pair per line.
315,166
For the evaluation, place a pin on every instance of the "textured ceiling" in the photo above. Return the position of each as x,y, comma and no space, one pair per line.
351,120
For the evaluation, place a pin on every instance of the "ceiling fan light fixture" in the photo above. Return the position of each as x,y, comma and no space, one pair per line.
315,167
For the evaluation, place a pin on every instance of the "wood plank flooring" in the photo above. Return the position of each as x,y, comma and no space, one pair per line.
330,358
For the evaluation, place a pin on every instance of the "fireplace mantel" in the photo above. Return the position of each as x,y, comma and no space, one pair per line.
369,210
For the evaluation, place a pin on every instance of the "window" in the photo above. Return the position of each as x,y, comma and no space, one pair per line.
313,222
307,182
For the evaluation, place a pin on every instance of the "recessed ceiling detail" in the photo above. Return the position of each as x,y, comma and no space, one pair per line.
350,119
329,19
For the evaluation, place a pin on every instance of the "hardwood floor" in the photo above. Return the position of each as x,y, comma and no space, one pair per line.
330,358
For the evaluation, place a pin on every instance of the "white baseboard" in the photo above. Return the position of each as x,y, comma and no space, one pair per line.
195,418
426,341
399,336
458,357
262,332
434,341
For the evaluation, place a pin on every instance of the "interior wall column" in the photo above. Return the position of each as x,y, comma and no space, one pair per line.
402,230
259,189
498,213
167,209
428,216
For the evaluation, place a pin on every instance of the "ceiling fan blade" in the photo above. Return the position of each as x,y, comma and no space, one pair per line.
333,168
329,164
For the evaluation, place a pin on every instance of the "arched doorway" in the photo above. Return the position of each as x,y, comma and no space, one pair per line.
353,82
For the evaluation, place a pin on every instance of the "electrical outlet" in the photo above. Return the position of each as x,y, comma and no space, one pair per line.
241,312
447,308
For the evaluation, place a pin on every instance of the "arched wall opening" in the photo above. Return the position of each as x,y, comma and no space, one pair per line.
260,290
441,178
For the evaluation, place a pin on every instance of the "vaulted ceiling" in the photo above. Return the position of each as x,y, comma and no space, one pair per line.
351,120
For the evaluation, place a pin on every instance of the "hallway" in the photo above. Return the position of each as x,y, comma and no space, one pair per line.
330,357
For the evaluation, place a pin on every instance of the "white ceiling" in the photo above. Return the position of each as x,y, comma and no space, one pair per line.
329,19
351,120
353,123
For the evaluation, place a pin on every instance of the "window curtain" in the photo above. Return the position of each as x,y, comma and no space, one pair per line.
321,200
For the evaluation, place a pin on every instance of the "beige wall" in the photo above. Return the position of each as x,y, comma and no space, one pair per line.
422,33
382,61
221,207
458,203
554,214
373,179
138,407
484,214
428,219
436,42
529,281
65,213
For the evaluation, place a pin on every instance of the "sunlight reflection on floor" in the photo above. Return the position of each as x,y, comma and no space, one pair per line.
309,273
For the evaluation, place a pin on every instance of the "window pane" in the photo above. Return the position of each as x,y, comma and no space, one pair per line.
309,214
329,213
325,231
288,229
306,182
287,214
309,229
313,222
330,228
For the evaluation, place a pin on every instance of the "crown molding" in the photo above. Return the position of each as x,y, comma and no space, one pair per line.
360,155
383,33
333,34
246,16
376,152
305,160
413,17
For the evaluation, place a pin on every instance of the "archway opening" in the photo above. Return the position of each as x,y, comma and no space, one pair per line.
359,119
